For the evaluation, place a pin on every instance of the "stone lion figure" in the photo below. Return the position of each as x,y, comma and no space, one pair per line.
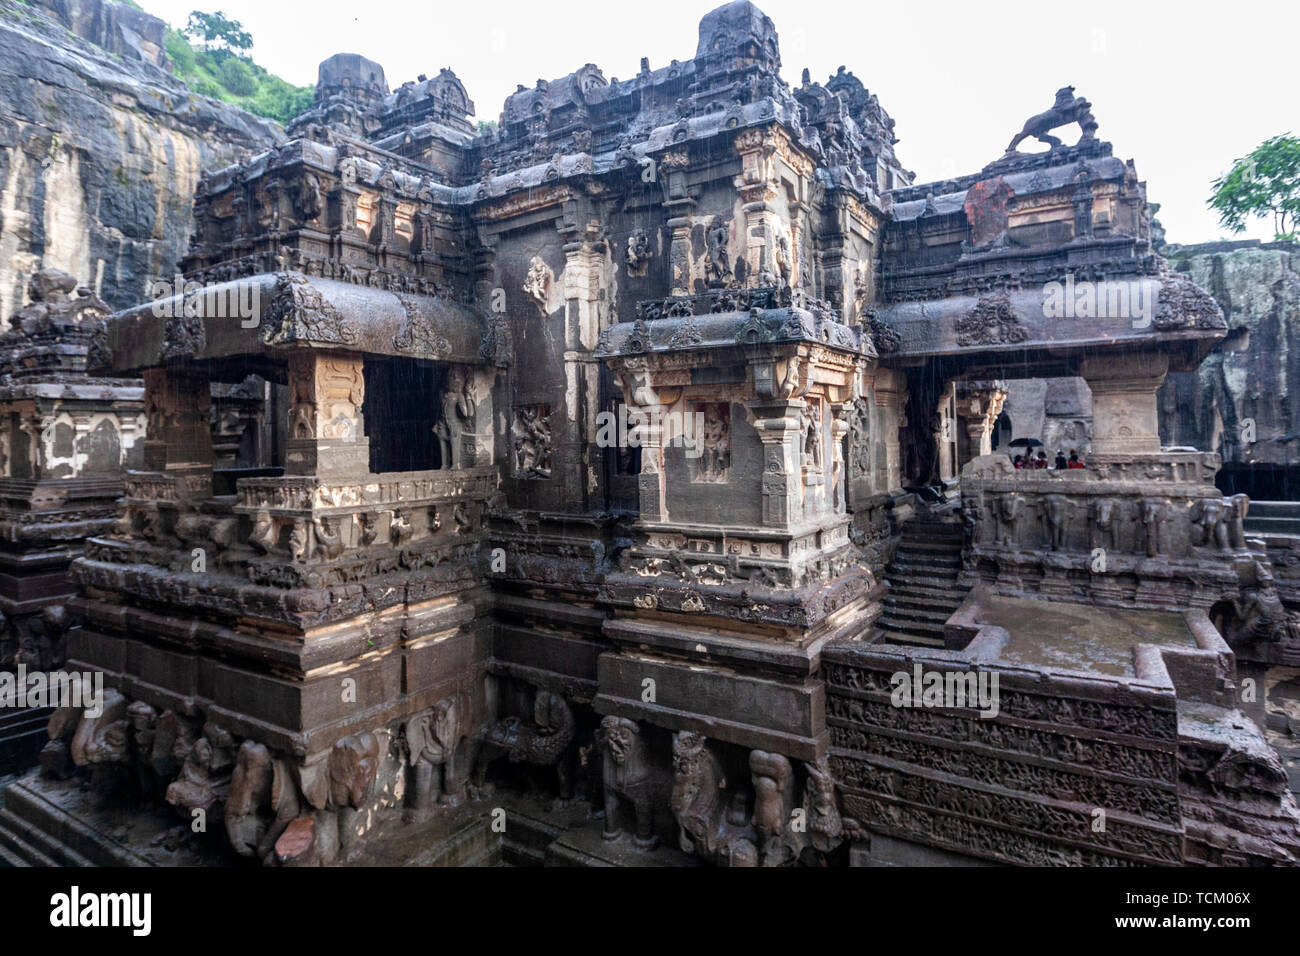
1067,109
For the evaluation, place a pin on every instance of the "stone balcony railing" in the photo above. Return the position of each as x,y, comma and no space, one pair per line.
306,497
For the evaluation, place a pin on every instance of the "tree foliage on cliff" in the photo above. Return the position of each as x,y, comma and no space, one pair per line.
216,31
217,64
1264,183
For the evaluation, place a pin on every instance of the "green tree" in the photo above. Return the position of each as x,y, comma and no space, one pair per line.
235,76
1264,183
216,31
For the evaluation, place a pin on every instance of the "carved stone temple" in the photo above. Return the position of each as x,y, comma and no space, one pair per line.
606,468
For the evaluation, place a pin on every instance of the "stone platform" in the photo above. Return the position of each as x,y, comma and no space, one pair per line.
53,823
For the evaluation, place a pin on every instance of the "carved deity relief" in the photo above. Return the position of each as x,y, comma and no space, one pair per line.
972,515
811,436
530,437
637,255
205,774
713,443
457,418
717,261
860,439
784,261
537,283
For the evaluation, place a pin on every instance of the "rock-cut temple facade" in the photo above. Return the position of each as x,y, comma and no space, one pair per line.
624,471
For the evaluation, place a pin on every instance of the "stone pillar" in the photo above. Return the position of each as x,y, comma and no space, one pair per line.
327,433
178,436
946,435
777,423
889,389
979,404
680,256
758,189
646,412
1124,420
839,467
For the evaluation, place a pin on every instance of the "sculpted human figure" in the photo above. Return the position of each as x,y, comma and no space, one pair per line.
399,528
1258,612
457,413
328,538
537,282
719,259
812,436
302,544
638,252
626,778
972,513
205,776
716,447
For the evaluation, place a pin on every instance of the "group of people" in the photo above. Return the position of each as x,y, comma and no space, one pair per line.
1062,463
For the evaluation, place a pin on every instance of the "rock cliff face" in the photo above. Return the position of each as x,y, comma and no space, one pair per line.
101,148
1242,401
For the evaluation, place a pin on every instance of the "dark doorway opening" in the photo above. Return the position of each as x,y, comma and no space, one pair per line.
401,409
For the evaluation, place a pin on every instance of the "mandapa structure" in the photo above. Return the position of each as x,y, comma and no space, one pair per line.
66,436
643,441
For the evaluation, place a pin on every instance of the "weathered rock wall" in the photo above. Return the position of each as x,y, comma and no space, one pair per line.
1242,401
99,157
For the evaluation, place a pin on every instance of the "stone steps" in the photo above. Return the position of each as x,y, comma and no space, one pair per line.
22,735
58,835
1271,525
923,592
1274,509
914,610
1273,517
34,846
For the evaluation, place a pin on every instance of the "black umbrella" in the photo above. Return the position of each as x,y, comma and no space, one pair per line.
1025,443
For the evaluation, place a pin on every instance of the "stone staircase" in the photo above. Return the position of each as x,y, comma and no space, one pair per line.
22,735
923,590
1273,517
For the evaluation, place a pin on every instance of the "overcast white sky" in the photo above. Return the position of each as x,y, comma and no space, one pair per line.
1183,88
